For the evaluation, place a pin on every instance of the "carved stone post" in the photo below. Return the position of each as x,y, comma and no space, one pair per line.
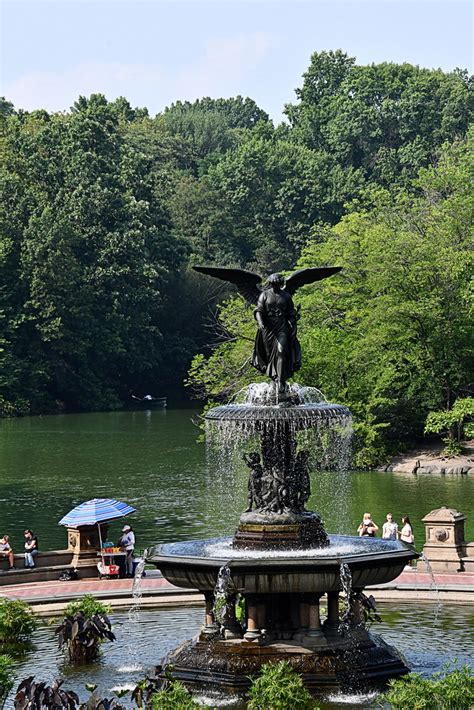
253,632
84,543
445,546
304,615
331,625
232,628
210,628
313,635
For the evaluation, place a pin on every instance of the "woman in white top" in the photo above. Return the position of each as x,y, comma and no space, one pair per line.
406,533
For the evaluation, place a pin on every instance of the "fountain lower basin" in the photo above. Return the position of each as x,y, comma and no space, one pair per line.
196,563
281,562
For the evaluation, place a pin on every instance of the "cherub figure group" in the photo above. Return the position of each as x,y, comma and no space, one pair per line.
270,492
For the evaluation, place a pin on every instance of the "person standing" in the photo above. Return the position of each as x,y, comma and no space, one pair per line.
389,529
6,551
406,533
31,548
127,543
367,528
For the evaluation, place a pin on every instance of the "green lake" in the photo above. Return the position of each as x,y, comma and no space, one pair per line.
151,460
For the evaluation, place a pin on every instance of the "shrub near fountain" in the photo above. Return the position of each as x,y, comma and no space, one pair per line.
281,560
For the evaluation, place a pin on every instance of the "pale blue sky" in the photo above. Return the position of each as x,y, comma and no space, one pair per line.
157,51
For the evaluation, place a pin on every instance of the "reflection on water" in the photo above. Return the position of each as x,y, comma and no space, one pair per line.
151,460
409,627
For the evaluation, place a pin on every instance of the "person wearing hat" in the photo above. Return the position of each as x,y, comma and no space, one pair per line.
127,543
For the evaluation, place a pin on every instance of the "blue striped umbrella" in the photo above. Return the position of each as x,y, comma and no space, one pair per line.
97,510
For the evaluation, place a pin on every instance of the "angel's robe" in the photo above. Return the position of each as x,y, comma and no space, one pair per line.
277,352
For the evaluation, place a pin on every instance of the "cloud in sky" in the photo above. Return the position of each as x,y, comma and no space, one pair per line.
221,70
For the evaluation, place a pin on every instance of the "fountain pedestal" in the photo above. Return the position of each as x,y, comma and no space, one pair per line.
273,531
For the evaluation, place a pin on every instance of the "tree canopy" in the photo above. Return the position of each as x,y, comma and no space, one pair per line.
104,208
390,336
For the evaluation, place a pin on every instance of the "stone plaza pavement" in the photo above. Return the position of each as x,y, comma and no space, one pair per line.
51,597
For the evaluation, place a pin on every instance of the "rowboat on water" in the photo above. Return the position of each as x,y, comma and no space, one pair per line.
151,402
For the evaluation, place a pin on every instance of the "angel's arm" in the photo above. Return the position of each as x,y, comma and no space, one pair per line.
260,311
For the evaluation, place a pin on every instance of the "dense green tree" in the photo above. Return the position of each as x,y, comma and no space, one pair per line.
88,257
390,336
388,119
256,205
212,125
104,208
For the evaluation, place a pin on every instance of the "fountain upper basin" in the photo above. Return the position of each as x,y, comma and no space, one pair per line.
305,414
196,563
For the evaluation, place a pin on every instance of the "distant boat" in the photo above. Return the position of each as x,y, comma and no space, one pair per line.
151,402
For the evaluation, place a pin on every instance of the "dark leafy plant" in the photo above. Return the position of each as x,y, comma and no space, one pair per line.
17,621
369,608
161,688
6,677
96,703
279,687
40,696
36,696
446,690
83,635
142,694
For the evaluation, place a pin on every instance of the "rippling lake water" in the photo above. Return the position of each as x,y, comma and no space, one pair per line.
427,636
151,460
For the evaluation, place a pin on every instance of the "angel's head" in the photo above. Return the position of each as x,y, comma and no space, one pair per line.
277,280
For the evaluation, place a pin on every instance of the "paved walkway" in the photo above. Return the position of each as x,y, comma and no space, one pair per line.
49,597
420,586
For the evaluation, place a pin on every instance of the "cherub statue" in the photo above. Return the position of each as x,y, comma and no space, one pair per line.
277,352
301,481
255,480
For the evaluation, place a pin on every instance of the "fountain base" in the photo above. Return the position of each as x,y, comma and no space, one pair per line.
359,660
277,531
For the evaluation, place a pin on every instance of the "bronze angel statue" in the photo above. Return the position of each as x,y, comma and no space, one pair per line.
277,352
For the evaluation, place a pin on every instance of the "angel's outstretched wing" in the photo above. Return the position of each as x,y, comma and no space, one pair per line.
309,276
246,281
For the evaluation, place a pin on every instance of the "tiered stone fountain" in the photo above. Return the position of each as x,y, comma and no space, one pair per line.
281,561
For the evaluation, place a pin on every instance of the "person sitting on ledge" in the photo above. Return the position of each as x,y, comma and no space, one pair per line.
367,528
31,548
6,551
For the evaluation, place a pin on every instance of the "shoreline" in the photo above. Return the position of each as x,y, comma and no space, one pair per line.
430,460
